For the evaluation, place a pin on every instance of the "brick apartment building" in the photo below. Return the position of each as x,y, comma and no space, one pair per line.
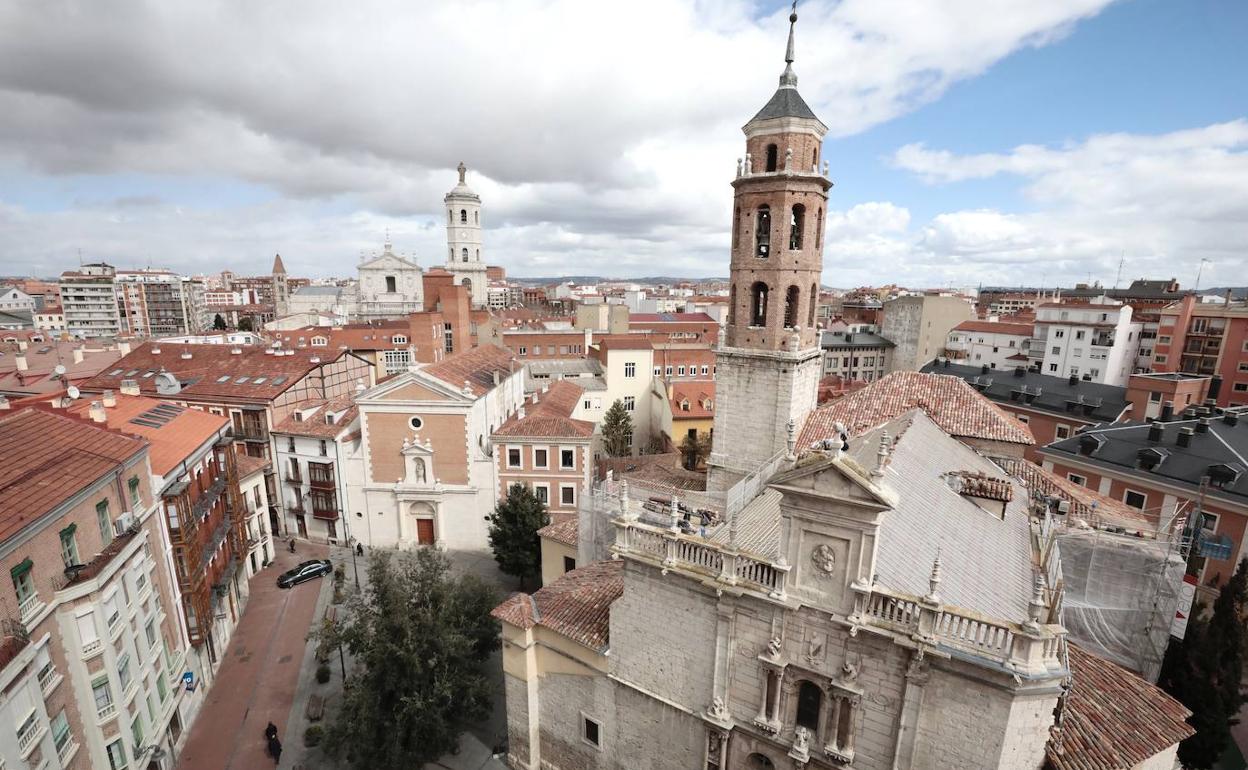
1206,338
91,655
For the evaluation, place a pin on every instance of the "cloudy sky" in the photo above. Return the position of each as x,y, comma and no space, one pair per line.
972,141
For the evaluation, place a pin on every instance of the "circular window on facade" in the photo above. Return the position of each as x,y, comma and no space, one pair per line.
416,423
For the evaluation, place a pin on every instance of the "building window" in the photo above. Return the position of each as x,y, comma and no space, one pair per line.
773,154
1154,397
658,371
524,350
1080,480
396,361
542,493
106,523
1135,499
513,457
630,369
680,371
69,545
416,423
758,307
591,729
290,444
1159,359
567,458
669,370
1062,431
134,492
541,458
1240,387
448,338
797,224
809,704
116,755
569,564
587,404
567,494
463,216
123,670
705,370
791,299
391,284
630,403
136,734
102,693
1024,419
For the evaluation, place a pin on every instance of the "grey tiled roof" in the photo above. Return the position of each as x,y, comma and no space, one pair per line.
785,103
1101,403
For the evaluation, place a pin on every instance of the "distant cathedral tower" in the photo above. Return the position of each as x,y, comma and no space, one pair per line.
281,292
768,361
463,239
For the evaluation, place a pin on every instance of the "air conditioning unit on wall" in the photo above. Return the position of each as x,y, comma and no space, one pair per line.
124,523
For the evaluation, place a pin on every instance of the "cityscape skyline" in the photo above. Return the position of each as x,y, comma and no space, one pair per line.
190,165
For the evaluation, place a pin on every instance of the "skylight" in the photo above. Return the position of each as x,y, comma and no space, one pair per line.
223,378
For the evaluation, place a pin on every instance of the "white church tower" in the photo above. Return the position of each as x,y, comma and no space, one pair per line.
463,239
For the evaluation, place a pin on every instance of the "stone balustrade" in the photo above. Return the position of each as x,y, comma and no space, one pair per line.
1025,648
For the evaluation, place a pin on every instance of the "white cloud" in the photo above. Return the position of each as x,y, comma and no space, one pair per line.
600,134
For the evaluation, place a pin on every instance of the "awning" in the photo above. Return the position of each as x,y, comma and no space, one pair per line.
22,568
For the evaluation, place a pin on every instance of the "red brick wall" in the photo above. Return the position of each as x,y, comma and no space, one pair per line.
553,475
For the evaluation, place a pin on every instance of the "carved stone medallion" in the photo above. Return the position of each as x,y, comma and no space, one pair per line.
823,558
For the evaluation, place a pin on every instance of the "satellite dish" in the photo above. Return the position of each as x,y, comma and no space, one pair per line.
59,370
73,392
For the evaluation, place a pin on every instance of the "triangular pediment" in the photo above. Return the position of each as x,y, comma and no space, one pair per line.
389,261
835,478
410,386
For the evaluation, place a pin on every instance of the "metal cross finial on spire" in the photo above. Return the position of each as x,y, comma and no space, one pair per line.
789,78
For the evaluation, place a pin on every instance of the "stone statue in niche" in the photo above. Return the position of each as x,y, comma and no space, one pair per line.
823,557
801,739
419,466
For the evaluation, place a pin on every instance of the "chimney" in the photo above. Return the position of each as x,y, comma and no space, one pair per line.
186,355
1167,411
123,348
77,355
109,398
129,387
4,403
1202,425
1074,379
497,378
1231,419
1185,437
1215,387
96,412
236,351
21,345
1156,432
20,361
156,349
983,369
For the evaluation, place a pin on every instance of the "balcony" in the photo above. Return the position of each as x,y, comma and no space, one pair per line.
13,639
105,713
91,648
93,568
325,510
294,477
251,430
30,607
28,736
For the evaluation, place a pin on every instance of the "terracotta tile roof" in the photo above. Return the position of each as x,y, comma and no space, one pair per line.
697,393
476,366
697,317
247,465
1113,720
550,416
980,484
1087,503
314,425
42,358
174,432
995,327
577,605
623,342
47,458
659,472
955,406
365,336
561,531
215,371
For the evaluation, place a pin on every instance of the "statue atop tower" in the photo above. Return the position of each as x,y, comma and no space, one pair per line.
767,369
463,239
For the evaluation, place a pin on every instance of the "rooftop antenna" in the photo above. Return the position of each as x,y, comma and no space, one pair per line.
1200,270
1118,278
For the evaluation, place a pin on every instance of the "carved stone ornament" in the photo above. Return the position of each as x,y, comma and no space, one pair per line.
774,646
801,739
823,558
718,711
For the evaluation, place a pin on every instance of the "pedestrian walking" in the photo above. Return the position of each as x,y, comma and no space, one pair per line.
270,732
359,549
275,749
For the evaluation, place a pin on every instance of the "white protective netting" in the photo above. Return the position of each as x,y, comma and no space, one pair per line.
1120,595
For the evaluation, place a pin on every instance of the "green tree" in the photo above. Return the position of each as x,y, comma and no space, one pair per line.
245,325
513,533
419,636
1204,671
617,430
218,322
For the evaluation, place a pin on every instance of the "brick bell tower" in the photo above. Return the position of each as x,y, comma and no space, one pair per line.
768,361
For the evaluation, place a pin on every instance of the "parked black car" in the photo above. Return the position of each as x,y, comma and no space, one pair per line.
308,570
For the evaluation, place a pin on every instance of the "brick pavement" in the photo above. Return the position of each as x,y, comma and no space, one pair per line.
257,680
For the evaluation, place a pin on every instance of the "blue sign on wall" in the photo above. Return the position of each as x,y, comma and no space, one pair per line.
188,679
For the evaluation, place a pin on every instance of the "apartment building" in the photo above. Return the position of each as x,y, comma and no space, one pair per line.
259,511
628,362
13,298
92,660
1096,340
157,303
426,472
919,327
195,476
1206,338
855,355
542,446
312,447
49,318
994,344
90,303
